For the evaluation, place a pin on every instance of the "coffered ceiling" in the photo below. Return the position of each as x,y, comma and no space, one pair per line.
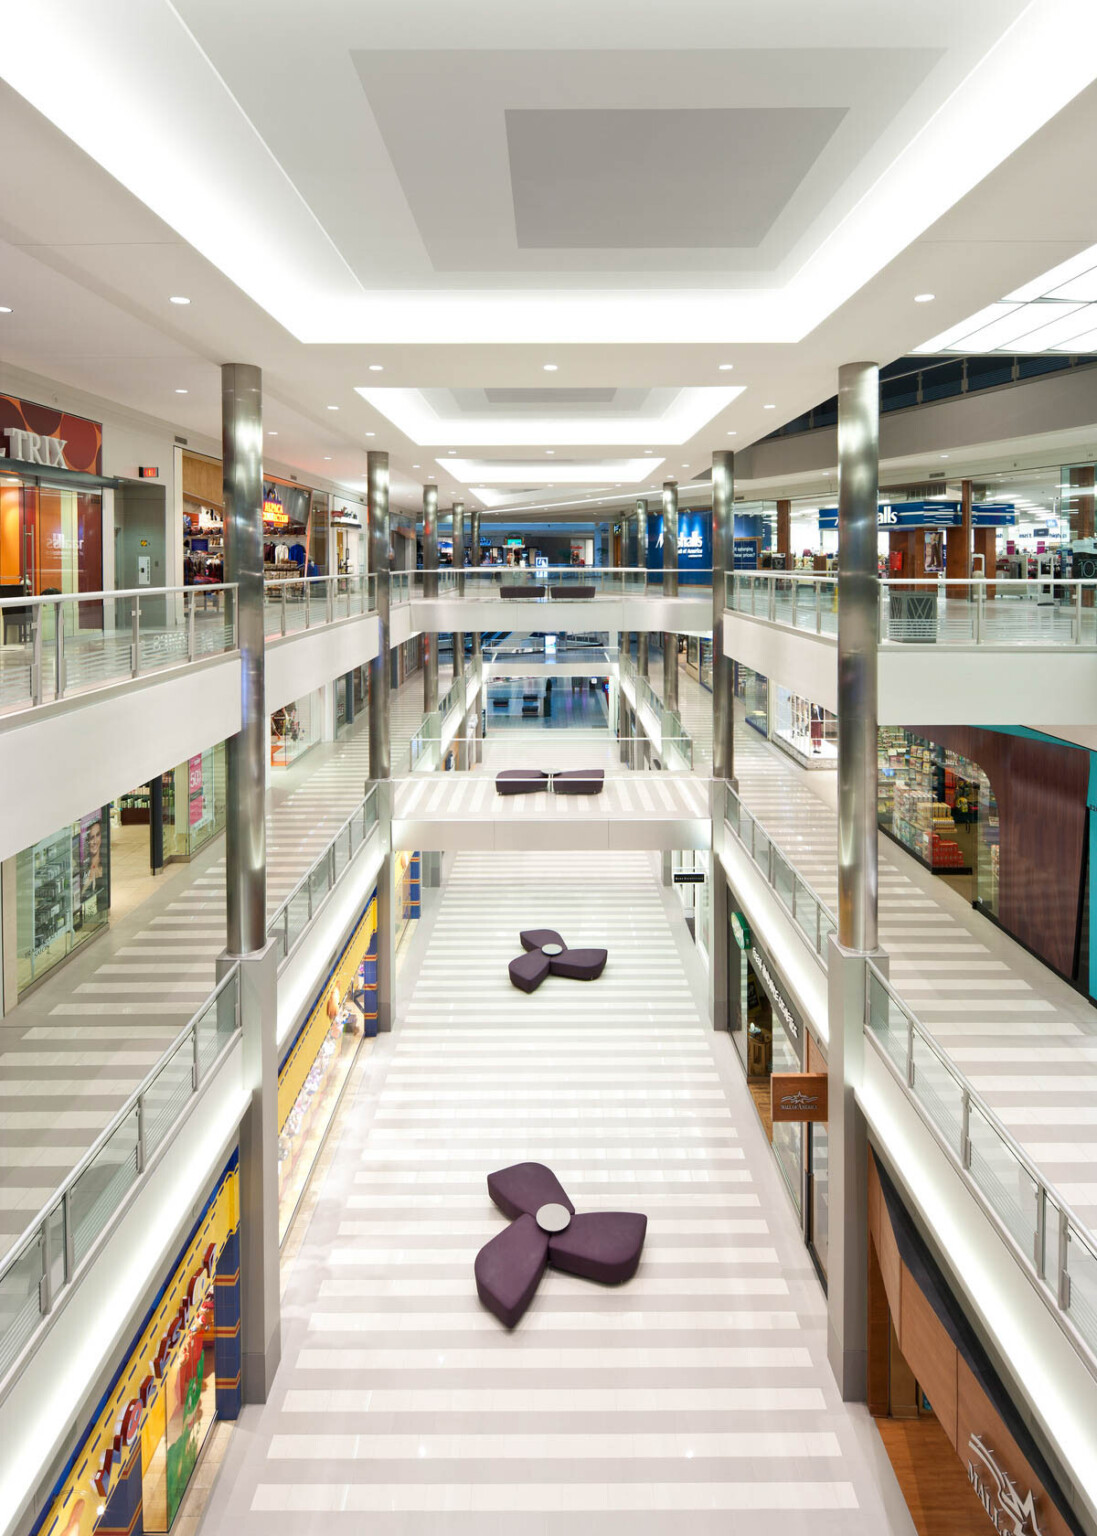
591,229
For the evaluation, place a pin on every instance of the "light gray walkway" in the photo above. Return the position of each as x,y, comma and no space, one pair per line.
697,1393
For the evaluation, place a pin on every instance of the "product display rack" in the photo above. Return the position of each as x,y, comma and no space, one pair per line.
52,890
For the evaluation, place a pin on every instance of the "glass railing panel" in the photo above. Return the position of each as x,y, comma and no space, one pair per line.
98,1191
167,1094
1081,1289
939,1091
1007,1184
217,1021
20,1304
783,880
887,1021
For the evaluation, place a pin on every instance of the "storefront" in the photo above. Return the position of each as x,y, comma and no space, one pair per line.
806,731
347,546
296,523
181,1374
772,1044
51,508
61,898
698,660
933,1391
193,801
295,728
752,690
315,1068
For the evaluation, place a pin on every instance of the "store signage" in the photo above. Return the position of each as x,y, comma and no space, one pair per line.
746,554
688,877
273,510
792,1024
998,1493
44,436
799,1096
899,515
740,930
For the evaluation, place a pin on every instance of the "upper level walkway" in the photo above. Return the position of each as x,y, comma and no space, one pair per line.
75,1048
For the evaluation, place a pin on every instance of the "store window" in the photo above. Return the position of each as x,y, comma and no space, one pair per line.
807,731
180,1416
62,895
295,728
752,689
940,807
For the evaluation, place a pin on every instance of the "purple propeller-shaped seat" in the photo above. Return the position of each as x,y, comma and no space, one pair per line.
598,1245
531,968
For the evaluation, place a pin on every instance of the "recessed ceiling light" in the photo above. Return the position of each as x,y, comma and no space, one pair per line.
415,466
272,433
649,450
5,309
180,391
376,367
924,298
371,434
550,451
685,466
453,450
327,458
733,434
769,407
549,367
178,298
726,367
333,407
944,455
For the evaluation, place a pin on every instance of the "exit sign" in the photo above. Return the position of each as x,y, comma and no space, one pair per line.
148,472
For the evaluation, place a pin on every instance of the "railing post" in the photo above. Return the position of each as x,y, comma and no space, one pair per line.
195,1066
59,649
45,1283
965,1130
68,1236
772,609
141,1134
282,600
329,591
980,592
818,606
37,612
135,641
795,594
910,1051
1078,614
189,596
1038,1237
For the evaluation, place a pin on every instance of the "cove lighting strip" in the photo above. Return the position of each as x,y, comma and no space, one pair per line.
601,472
1053,313
411,413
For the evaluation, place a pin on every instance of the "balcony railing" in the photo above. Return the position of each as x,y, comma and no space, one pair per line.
295,603
930,611
807,909
1047,1238
558,583
674,739
62,1240
63,644
288,924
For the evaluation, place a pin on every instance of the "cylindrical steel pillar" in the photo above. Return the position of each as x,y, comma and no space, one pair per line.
246,752
380,563
430,589
459,635
642,561
477,649
670,589
723,559
858,599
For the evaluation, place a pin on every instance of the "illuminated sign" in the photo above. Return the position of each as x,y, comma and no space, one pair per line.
929,514
274,512
148,472
740,930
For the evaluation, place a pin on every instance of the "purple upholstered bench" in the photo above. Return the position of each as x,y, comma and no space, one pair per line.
579,781
598,1245
529,971
579,964
565,594
521,781
516,589
547,954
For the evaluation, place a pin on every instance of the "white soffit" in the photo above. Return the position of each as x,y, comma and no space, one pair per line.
574,472
412,413
1056,312
147,104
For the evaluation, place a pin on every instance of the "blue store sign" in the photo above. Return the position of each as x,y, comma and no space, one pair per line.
899,515
694,546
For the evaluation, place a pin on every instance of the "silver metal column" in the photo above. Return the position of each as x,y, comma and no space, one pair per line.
858,601
723,559
430,589
461,753
858,596
380,760
477,648
246,752
670,589
642,562
246,886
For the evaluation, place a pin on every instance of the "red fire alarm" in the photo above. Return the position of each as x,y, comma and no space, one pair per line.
148,472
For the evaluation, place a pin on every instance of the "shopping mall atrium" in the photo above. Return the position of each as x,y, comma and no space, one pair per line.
548,988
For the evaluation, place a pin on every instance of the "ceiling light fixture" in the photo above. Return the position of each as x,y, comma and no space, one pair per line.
371,434
178,298
549,367
333,407
924,298
550,451
272,433
769,407
733,434
5,309
327,458
180,391
376,367
726,367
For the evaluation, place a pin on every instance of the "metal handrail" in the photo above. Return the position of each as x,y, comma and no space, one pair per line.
38,1230
670,723
1058,1295
821,908
326,862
